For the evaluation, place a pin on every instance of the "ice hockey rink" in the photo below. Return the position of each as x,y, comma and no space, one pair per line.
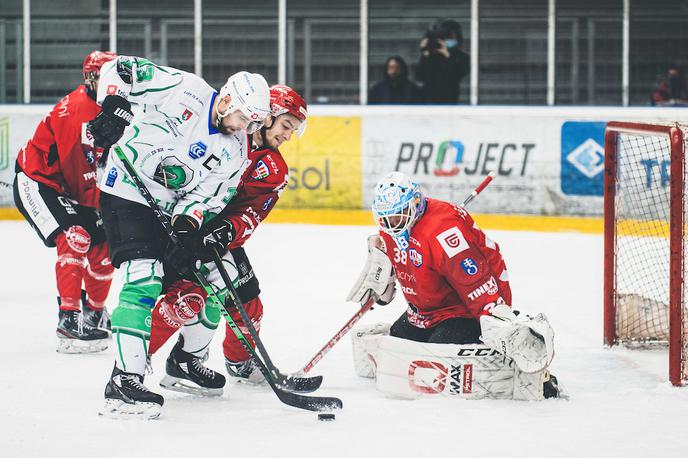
620,401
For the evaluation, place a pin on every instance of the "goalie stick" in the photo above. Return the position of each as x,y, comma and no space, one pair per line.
314,403
369,304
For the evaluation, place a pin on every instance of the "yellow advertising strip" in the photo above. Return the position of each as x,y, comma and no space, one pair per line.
531,223
495,222
10,214
325,165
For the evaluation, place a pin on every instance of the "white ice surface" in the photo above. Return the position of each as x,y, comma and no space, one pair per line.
620,402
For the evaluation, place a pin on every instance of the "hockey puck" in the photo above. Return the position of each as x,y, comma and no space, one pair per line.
326,416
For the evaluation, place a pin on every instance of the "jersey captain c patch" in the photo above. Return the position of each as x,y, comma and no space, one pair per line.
453,242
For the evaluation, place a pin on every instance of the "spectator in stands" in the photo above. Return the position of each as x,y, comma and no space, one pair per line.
395,86
443,64
672,90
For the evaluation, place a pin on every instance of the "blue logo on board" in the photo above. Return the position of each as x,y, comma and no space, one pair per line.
582,158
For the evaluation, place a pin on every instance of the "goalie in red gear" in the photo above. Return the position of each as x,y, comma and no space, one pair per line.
262,184
55,190
452,275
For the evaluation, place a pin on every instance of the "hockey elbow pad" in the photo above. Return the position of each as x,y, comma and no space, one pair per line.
107,128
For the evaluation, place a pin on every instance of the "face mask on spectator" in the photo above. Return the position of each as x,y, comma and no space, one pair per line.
451,43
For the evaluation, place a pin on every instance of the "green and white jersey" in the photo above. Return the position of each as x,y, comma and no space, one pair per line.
188,166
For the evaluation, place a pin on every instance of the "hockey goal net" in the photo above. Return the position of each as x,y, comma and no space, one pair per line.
645,229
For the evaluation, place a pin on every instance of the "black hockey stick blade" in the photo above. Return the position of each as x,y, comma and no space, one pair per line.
299,384
313,403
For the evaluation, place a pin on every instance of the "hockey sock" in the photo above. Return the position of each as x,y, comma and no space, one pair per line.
199,331
98,276
232,348
69,272
181,303
131,320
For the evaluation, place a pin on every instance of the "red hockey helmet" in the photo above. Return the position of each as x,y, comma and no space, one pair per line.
94,61
284,99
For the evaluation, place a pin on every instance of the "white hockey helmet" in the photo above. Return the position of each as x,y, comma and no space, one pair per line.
250,94
398,203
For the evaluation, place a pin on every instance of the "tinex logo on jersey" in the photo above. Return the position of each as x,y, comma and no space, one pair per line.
489,287
197,150
453,242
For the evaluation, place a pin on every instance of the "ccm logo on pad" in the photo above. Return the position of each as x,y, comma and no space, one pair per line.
453,242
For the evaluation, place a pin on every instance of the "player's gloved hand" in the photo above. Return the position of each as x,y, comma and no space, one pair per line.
215,235
110,123
376,280
183,255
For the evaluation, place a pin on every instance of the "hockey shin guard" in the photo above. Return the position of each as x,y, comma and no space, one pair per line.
180,304
131,320
98,276
199,332
69,272
232,348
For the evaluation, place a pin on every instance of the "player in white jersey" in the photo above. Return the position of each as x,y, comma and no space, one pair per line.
189,145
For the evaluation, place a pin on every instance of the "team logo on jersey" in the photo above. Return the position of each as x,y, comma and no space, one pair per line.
452,241
416,257
469,266
261,171
173,174
197,150
186,115
489,287
111,177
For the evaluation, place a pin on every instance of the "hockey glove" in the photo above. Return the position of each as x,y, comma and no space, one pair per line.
107,128
183,255
376,279
214,236
528,341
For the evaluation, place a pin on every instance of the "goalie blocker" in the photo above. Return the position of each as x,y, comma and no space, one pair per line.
407,369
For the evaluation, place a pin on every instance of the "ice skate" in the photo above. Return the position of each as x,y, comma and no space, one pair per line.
76,336
127,397
244,372
95,318
187,374
551,389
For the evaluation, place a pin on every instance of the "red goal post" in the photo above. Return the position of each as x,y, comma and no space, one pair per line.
644,239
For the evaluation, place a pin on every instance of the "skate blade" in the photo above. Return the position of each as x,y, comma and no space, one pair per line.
75,346
186,386
120,410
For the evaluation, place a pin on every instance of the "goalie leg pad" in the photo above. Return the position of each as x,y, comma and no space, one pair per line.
363,364
408,369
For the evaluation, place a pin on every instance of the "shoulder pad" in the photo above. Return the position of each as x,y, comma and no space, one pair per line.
124,70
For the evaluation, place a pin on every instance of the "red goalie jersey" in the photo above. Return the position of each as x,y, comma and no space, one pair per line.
61,154
450,269
261,187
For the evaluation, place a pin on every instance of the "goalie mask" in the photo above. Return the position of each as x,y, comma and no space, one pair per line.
398,204
249,94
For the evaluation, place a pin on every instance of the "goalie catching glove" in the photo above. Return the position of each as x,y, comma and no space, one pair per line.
528,341
377,278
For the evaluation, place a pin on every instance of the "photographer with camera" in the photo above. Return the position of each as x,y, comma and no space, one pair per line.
443,64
